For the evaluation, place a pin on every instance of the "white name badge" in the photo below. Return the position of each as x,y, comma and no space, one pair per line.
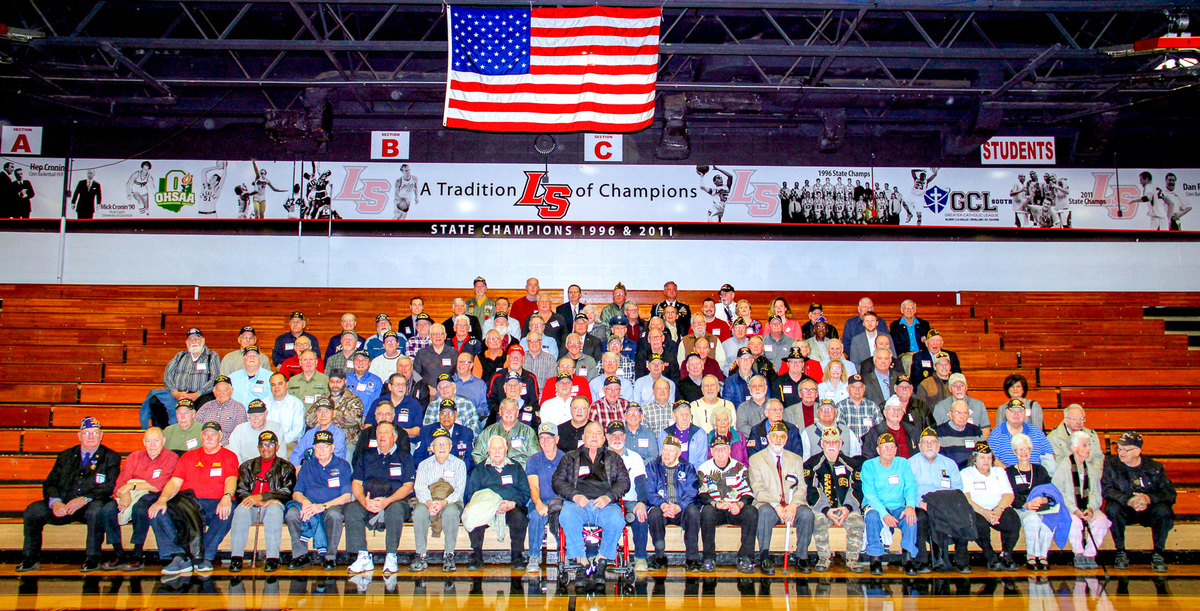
926,364
768,348
1028,412
787,390
309,398
527,417
445,362
839,470
335,482
360,387
715,332
585,471
893,480
731,480
945,484
289,346
447,473
258,387
554,324
517,443
980,486
201,366
1021,479
524,390
191,443
970,443
100,478
867,421
396,471
583,371
506,480
373,443
643,443
214,472
156,474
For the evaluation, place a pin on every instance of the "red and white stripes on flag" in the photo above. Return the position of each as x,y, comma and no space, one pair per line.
552,69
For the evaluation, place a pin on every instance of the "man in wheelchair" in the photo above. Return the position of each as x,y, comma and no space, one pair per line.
591,480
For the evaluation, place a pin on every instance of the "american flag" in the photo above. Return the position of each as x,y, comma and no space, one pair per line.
552,69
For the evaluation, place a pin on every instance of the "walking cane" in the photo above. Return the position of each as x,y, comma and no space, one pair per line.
1087,529
254,554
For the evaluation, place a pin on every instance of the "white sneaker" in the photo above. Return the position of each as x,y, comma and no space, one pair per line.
362,564
534,565
391,565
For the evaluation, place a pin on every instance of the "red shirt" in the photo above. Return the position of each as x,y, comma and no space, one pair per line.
719,329
579,387
157,471
205,473
520,310
901,442
291,366
260,483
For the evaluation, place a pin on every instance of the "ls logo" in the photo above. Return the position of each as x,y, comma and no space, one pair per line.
551,200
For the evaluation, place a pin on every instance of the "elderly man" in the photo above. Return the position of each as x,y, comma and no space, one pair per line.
579,383
349,324
776,345
880,379
508,328
725,497
525,305
232,361
246,439
583,358
480,305
758,439
285,409
374,344
957,436
323,412
590,480
1137,491
79,484
251,381
205,479
500,488
458,308
553,326
905,435
386,412
700,330
441,483
837,353
538,361
190,375
957,385
643,388
834,483
315,514
223,409
347,410
557,409
285,344
518,436
780,496
384,365
410,326
672,486
463,438
610,363
924,362
143,476
889,500
692,439
590,344
343,358
1001,441
709,403
264,485
468,415
797,368
637,497
818,341
863,344
732,347
827,418
382,482
693,377
408,383
539,471
184,435
656,342
610,407
908,332
934,472
360,381
750,409
291,365
1074,421
639,437
570,433
309,383
857,412
468,385
515,364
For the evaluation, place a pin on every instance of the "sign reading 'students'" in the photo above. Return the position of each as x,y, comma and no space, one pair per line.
1009,150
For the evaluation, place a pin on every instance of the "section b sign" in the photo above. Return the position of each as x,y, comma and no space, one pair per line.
16,140
389,145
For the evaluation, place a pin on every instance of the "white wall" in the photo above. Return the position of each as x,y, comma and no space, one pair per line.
450,262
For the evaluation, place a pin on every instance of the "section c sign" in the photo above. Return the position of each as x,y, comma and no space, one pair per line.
1012,150
602,147
389,145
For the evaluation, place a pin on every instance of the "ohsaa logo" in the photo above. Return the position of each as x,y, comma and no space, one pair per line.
936,199
175,191
552,201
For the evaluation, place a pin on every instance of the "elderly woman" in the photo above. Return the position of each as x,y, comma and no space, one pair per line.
500,492
1015,386
991,496
706,407
1079,481
723,425
1024,476
834,387
441,482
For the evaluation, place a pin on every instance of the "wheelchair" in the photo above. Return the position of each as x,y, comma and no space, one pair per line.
621,566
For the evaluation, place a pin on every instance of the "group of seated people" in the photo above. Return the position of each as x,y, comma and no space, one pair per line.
629,424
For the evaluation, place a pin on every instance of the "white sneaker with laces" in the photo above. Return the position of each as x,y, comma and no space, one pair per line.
362,564
391,565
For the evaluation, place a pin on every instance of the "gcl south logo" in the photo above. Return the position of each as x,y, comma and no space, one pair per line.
938,199
552,201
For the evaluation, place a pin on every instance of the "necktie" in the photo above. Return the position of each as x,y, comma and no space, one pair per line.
779,469
87,458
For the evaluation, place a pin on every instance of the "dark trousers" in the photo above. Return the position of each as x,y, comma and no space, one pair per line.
38,515
140,518
215,530
689,519
939,550
357,517
746,519
518,522
1010,531
1159,517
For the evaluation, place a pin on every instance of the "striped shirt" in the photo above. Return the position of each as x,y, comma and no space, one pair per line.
728,484
453,471
186,374
467,416
228,414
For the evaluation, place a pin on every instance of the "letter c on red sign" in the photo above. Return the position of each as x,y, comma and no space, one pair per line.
602,149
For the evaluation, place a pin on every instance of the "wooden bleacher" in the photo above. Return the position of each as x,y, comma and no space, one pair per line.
99,349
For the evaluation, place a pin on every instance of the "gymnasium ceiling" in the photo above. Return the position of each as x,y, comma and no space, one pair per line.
965,68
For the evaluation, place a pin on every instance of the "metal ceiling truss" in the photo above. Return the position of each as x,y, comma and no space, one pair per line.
1041,61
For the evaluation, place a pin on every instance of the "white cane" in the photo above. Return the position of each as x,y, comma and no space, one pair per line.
787,528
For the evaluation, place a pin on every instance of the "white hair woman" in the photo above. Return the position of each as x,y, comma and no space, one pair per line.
1024,476
1079,481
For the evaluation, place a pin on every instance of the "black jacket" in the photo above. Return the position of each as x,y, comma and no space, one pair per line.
1120,483
566,476
838,489
69,478
281,480
870,439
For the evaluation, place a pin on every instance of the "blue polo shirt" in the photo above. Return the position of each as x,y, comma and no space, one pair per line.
384,474
544,469
408,414
941,474
321,484
368,387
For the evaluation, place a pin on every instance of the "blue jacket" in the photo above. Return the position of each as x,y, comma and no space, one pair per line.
736,391
371,386
1060,521
462,441
697,444
687,483
757,440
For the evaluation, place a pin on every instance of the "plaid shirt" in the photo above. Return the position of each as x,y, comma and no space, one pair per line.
415,343
656,416
199,375
604,413
859,418
543,367
228,414
467,416
626,368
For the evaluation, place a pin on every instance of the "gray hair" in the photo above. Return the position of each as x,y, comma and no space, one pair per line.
1021,439
1079,438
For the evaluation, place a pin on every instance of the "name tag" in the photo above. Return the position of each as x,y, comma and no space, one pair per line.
643,443
258,387
585,471
100,478
839,470
715,332
926,364
768,348
970,443
1029,412
447,473
980,486
506,480
191,443
360,387
201,366
309,398
787,390
524,390
395,471
1021,479
156,474
893,480
945,484
731,480
527,416
289,346
867,421
554,324
517,442
583,371
214,472
335,482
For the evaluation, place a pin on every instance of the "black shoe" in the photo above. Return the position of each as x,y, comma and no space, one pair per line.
1157,563
272,565
476,563
29,564
923,568
710,565
745,565
766,567
802,565
1007,562
518,563
235,565
599,572
658,563
1121,562
299,562
910,569
692,566
90,564
965,569
876,567
329,564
